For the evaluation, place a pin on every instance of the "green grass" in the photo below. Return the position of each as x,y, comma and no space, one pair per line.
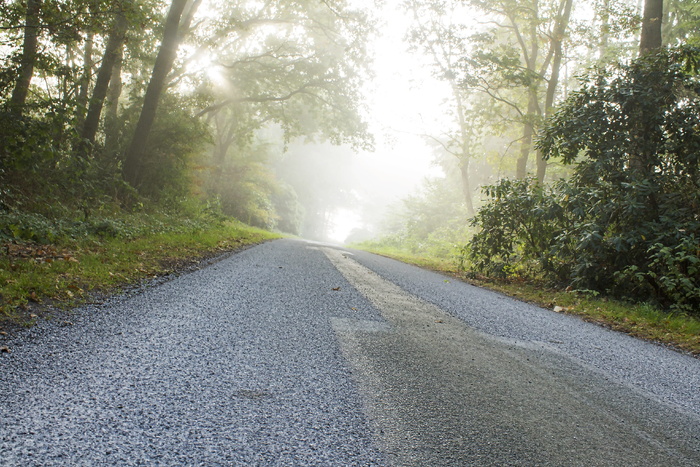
641,320
69,271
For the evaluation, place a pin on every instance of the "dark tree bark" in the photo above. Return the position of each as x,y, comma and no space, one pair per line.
133,160
528,132
112,53
29,54
112,107
651,26
85,78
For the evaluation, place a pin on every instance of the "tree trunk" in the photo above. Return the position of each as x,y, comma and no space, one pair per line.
133,160
464,149
557,40
604,31
29,53
112,52
533,104
651,26
66,82
528,133
112,107
84,82
466,186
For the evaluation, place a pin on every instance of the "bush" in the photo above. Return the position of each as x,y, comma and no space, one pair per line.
628,222
518,230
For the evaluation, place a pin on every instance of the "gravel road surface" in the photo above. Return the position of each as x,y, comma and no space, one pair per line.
298,353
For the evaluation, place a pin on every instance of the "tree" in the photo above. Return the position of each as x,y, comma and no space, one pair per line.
29,56
681,22
438,32
112,52
635,196
651,26
133,160
513,57
304,74
539,31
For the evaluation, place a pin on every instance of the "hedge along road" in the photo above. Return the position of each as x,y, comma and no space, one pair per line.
295,353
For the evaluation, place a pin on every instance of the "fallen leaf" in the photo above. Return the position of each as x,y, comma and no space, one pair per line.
438,321
4,349
336,288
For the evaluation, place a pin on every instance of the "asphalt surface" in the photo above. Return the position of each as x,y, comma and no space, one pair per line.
296,353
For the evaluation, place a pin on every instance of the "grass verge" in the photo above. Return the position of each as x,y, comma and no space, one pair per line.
640,320
38,278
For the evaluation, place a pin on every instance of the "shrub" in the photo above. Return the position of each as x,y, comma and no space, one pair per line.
628,221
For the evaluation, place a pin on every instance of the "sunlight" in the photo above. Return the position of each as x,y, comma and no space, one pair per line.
343,222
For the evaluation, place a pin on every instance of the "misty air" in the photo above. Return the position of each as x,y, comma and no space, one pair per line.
349,232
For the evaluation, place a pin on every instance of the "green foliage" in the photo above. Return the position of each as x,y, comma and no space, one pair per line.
672,272
517,230
176,140
627,222
431,224
57,225
290,213
105,253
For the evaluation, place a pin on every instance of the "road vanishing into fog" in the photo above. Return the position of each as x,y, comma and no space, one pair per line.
298,353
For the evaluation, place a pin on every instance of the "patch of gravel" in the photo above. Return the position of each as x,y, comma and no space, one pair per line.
49,309
659,372
233,364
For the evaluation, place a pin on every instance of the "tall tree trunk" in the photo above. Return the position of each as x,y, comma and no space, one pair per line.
604,30
650,40
112,106
466,186
112,52
651,26
528,133
29,53
133,160
84,82
556,44
65,80
465,151
533,105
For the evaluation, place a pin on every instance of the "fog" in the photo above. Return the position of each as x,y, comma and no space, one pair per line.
345,190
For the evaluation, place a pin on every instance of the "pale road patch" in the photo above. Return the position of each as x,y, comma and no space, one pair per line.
441,393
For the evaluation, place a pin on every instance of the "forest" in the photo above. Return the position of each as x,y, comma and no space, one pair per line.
567,151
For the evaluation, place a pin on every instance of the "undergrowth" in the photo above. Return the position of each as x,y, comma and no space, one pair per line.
47,263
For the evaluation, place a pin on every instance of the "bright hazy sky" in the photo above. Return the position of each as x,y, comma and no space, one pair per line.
404,102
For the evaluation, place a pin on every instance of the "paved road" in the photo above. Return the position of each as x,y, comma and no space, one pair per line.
295,353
